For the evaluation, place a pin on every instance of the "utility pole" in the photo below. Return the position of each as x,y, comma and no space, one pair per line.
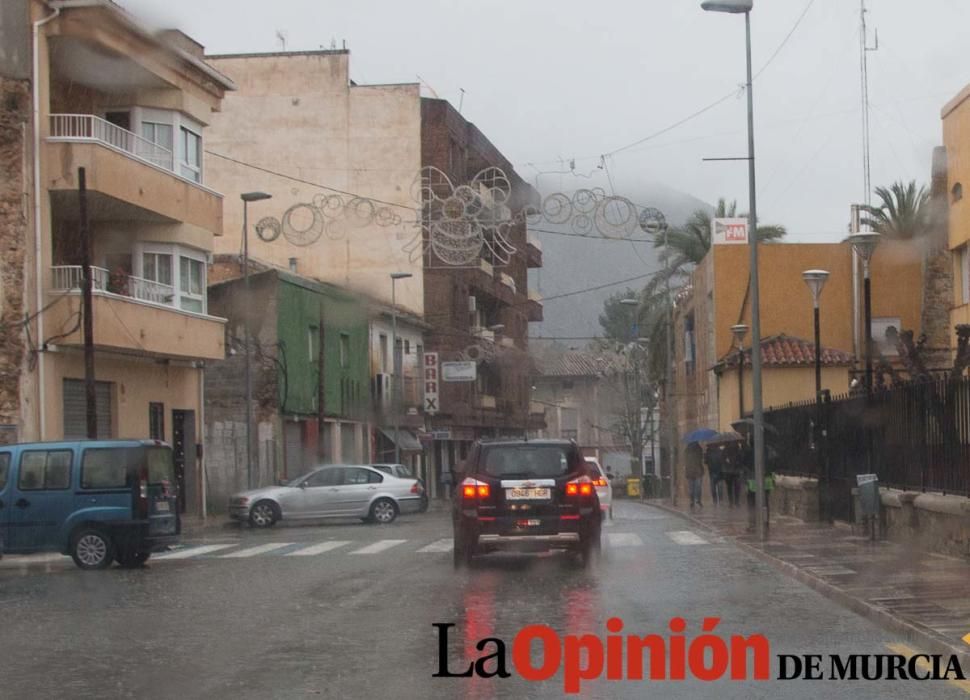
90,395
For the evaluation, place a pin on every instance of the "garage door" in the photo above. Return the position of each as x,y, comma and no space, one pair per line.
75,409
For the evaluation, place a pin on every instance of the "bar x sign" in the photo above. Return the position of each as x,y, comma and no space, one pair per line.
431,383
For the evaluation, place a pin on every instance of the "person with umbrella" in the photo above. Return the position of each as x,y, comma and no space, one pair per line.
694,469
746,427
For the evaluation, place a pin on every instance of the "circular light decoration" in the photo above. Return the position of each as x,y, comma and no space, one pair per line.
303,224
268,229
652,221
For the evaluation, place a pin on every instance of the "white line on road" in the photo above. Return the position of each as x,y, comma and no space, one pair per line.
11,561
318,548
445,545
253,551
624,539
686,537
378,546
193,551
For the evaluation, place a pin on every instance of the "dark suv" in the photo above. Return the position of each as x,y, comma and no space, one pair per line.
523,495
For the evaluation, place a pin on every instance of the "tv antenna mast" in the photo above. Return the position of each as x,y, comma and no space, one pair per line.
864,50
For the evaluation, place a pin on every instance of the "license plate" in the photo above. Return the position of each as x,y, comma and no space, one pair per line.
161,507
526,494
527,523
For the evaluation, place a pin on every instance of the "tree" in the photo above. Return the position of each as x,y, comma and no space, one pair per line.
903,214
686,246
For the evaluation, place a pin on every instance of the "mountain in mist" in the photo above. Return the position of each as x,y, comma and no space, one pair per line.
573,263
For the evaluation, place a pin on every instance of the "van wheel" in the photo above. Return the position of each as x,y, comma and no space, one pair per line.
263,514
131,559
384,511
92,549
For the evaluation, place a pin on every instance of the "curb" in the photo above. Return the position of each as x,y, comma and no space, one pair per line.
929,640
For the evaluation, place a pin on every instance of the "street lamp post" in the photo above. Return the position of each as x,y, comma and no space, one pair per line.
632,304
246,198
815,279
395,276
864,244
739,331
744,7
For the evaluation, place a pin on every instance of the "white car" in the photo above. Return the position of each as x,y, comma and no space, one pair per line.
604,489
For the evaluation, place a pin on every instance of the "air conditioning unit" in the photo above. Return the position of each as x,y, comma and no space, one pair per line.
382,389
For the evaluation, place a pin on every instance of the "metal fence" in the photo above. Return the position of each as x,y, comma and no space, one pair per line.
914,436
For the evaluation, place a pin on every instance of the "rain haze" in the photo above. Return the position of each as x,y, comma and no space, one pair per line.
557,84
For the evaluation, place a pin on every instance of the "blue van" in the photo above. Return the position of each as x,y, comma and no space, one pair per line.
98,500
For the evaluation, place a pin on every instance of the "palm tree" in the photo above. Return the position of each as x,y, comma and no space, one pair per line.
903,213
685,247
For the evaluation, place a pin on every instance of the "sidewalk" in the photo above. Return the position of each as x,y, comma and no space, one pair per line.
924,597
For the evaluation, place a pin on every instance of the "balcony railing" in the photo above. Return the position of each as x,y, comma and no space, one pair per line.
69,277
87,127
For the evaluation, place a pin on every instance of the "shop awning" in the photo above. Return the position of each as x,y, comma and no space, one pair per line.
407,442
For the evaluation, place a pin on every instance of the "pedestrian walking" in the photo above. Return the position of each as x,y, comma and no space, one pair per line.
695,473
731,470
752,487
714,457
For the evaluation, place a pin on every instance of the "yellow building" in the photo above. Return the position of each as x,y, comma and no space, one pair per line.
956,142
97,90
706,392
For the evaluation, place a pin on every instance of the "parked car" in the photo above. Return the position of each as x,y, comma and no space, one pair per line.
332,491
402,471
604,489
99,501
525,495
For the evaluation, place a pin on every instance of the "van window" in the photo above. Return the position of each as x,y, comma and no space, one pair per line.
4,468
45,469
161,468
105,468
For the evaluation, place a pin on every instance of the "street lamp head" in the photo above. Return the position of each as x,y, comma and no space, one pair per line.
630,302
733,7
815,279
401,275
254,196
739,331
864,244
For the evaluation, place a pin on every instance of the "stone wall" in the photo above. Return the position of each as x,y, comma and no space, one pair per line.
14,129
796,497
931,521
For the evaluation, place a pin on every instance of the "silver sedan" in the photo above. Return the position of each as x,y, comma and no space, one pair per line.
333,491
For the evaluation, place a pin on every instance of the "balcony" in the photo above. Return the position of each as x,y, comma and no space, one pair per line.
131,315
533,251
533,307
135,176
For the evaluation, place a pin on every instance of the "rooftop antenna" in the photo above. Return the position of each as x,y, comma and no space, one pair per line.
461,99
864,50
281,37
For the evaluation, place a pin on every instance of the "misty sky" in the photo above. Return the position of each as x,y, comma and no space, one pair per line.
549,80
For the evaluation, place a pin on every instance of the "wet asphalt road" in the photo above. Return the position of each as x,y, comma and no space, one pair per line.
345,610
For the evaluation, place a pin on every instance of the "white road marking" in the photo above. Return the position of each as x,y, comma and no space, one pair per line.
318,548
445,545
193,551
686,537
253,551
624,539
15,560
378,546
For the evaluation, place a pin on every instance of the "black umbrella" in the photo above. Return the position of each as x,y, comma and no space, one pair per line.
745,426
729,436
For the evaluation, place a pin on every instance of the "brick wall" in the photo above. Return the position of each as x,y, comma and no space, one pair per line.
14,118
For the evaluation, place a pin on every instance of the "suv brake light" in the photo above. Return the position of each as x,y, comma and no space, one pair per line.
582,486
473,488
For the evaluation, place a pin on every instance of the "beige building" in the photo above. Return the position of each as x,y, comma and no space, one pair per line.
89,87
299,114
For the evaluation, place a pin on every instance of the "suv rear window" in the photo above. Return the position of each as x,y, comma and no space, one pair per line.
525,461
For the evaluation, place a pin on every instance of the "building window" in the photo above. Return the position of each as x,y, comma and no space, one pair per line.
567,385
383,350
407,347
956,193
313,343
345,350
156,421
159,134
190,165
879,328
689,349
192,284
157,263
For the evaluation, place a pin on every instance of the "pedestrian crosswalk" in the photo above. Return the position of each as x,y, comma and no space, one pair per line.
245,548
